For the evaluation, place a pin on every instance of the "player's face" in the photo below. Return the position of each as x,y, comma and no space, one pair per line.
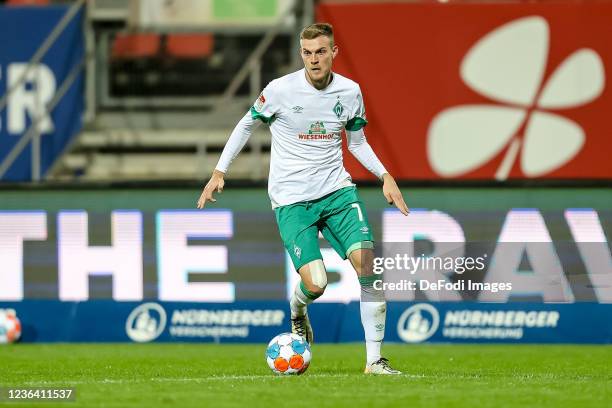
318,55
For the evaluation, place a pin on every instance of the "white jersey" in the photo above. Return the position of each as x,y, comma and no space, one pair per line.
306,126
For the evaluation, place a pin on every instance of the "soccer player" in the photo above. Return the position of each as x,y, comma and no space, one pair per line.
308,185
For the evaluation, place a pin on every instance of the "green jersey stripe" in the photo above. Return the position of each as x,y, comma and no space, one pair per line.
257,115
356,123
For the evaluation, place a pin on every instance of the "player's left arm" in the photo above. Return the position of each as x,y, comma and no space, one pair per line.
361,149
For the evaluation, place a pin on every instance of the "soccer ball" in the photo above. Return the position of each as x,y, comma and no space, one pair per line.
10,328
288,353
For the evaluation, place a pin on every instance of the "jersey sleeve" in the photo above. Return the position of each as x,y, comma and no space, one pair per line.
266,105
361,149
240,135
357,119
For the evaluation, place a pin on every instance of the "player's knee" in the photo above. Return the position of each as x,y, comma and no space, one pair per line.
318,277
356,260
314,289
362,260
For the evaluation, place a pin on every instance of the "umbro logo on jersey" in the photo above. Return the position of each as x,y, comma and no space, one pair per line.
297,109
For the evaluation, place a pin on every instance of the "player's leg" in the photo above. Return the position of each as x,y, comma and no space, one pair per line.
373,310
373,307
300,237
313,281
348,231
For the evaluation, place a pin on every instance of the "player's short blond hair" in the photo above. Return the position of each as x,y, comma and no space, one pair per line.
316,30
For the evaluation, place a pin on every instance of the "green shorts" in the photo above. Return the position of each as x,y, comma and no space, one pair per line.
341,218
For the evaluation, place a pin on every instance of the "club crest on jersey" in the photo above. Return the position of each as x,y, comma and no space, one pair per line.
338,109
260,102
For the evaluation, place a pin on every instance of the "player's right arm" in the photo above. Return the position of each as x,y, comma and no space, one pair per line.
240,135
215,184
261,111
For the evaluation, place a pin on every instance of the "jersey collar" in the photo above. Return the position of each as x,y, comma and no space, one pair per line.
309,85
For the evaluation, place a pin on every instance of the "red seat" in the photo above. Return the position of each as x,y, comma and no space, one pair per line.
190,45
136,45
28,2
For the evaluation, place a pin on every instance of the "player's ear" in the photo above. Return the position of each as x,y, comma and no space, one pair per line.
334,51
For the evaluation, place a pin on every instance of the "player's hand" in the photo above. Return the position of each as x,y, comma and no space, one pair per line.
393,194
215,183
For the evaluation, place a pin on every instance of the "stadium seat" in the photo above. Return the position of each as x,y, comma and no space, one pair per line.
28,2
129,154
136,45
190,45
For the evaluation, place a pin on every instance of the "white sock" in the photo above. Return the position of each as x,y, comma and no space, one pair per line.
299,301
373,316
373,310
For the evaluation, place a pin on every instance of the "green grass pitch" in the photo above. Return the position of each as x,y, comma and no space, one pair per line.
208,375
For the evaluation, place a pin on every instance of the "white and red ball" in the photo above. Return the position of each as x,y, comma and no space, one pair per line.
288,353
10,328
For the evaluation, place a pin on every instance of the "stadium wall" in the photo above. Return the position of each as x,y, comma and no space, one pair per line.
42,91
259,321
86,255
480,90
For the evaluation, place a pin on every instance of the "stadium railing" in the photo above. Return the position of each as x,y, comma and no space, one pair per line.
32,134
163,99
